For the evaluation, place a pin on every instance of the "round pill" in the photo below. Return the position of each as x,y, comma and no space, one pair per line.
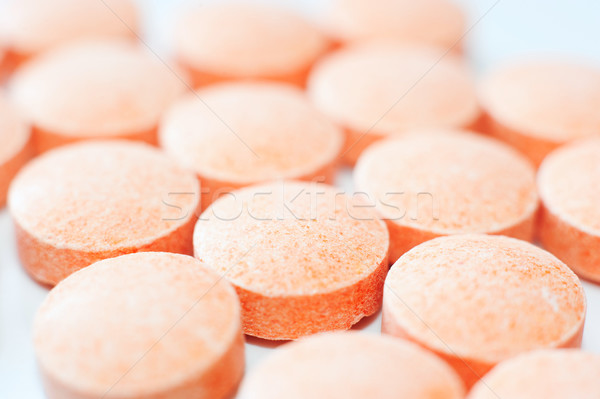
247,41
5,68
352,365
381,89
29,27
537,105
236,134
147,325
435,183
569,186
548,374
434,22
89,201
94,89
15,145
303,257
476,300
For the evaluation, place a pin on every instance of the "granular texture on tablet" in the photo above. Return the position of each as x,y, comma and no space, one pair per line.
303,257
375,90
246,41
99,199
29,27
434,22
569,186
477,300
237,134
537,105
352,365
15,145
443,182
94,89
148,325
548,374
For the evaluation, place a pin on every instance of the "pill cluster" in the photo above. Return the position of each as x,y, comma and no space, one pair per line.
174,207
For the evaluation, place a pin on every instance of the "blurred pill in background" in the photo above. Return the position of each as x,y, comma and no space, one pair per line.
569,186
442,182
116,330
15,144
303,257
538,104
477,300
351,365
236,134
88,201
433,22
379,89
94,89
29,27
548,374
219,42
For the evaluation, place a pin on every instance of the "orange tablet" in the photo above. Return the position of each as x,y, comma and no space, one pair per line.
537,105
94,89
476,300
147,325
435,22
89,201
219,42
15,145
434,183
236,134
29,27
548,374
303,257
569,185
352,365
379,89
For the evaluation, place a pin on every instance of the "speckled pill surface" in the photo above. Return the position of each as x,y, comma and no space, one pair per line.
29,27
376,90
220,42
15,145
548,374
250,133
303,257
434,22
352,365
537,105
148,325
94,89
442,182
94,200
569,186
488,298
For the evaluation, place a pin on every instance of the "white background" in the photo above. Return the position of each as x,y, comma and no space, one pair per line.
511,28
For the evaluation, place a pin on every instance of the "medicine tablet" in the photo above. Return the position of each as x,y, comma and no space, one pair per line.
569,185
434,22
147,325
303,257
442,182
15,145
537,105
247,41
381,89
352,365
94,89
548,374
94,200
29,27
476,300
237,134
